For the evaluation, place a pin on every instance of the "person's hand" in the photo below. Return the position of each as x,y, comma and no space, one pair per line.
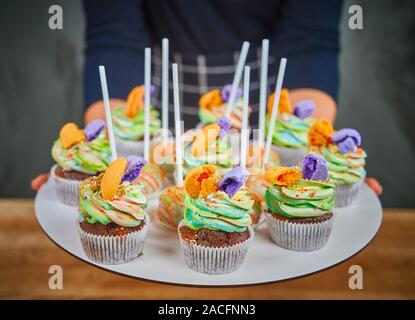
39,181
94,111
374,185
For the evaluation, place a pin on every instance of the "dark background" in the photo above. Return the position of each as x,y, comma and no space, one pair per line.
41,74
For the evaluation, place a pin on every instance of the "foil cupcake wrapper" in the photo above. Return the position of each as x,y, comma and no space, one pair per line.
347,193
113,249
299,236
67,190
290,156
127,148
214,261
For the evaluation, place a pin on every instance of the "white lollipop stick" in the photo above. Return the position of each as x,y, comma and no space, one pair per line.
147,98
107,108
274,112
237,78
245,130
263,93
165,88
178,129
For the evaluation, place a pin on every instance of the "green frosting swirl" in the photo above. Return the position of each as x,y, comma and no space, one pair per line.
222,158
219,212
304,199
210,116
89,157
133,129
344,168
290,131
126,209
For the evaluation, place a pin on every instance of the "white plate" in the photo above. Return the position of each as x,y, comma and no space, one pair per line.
354,227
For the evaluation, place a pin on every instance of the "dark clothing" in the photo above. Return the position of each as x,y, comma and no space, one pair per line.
205,38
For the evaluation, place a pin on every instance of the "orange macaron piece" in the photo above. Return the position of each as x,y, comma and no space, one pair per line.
112,178
284,105
282,176
70,135
135,102
200,180
204,138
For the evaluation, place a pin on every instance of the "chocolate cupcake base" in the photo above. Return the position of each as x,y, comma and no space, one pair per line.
302,234
67,189
112,245
224,258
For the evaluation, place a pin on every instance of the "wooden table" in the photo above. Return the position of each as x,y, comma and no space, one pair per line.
26,254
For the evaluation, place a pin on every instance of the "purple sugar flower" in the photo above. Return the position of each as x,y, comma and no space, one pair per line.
226,92
315,167
347,140
304,109
224,124
93,129
134,166
233,180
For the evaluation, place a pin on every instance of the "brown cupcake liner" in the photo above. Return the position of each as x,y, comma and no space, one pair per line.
299,236
67,190
347,193
290,156
113,249
214,261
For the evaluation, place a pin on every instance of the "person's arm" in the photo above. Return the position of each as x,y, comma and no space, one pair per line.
307,34
116,36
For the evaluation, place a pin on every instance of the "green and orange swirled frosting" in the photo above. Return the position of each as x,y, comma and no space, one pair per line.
217,203
292,125
341,149
213,104
209,147
112,197
128,119
296,193
84,150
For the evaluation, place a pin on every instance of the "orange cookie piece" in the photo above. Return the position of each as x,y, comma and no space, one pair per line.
284,105
320,133
112,178
210,100
70,135
208,186
135,101
282,176
204,138
194,180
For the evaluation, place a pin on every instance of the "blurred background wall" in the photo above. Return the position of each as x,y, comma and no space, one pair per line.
41,74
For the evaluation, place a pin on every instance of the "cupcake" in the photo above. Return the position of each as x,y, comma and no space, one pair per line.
128,121
216,231
345,158
291,128
113,224
212,106
300,205
171,206
79,154
209,146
